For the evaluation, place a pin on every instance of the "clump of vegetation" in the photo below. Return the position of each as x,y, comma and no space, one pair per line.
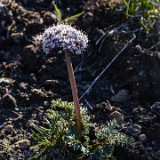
70,40
61,140
148,12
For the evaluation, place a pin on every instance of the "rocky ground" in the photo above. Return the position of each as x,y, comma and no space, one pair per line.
128,90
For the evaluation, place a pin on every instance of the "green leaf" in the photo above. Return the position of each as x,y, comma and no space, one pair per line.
72,17
127,6
58,12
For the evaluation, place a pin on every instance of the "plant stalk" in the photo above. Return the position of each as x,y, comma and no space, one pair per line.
74,92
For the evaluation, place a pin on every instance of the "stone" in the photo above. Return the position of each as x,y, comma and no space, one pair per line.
117,116
134,130
156,108
142,138
121,96
23,85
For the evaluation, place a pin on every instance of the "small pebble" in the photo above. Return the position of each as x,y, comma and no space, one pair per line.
23,85
156,107
134,130
121,96
142,138
117,116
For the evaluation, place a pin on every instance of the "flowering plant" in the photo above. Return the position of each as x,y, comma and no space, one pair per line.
70,40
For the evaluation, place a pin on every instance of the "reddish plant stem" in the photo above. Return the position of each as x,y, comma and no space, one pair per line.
74,92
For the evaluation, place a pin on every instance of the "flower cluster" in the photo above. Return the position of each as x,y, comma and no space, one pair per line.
63,36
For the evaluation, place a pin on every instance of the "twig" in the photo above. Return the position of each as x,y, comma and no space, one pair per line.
118,54
105,35
102,42
101,37
155,45
88,104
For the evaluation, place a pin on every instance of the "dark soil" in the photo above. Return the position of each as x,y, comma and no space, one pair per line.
29,80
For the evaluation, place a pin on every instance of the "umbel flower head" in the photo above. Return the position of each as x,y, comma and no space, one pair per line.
62,36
